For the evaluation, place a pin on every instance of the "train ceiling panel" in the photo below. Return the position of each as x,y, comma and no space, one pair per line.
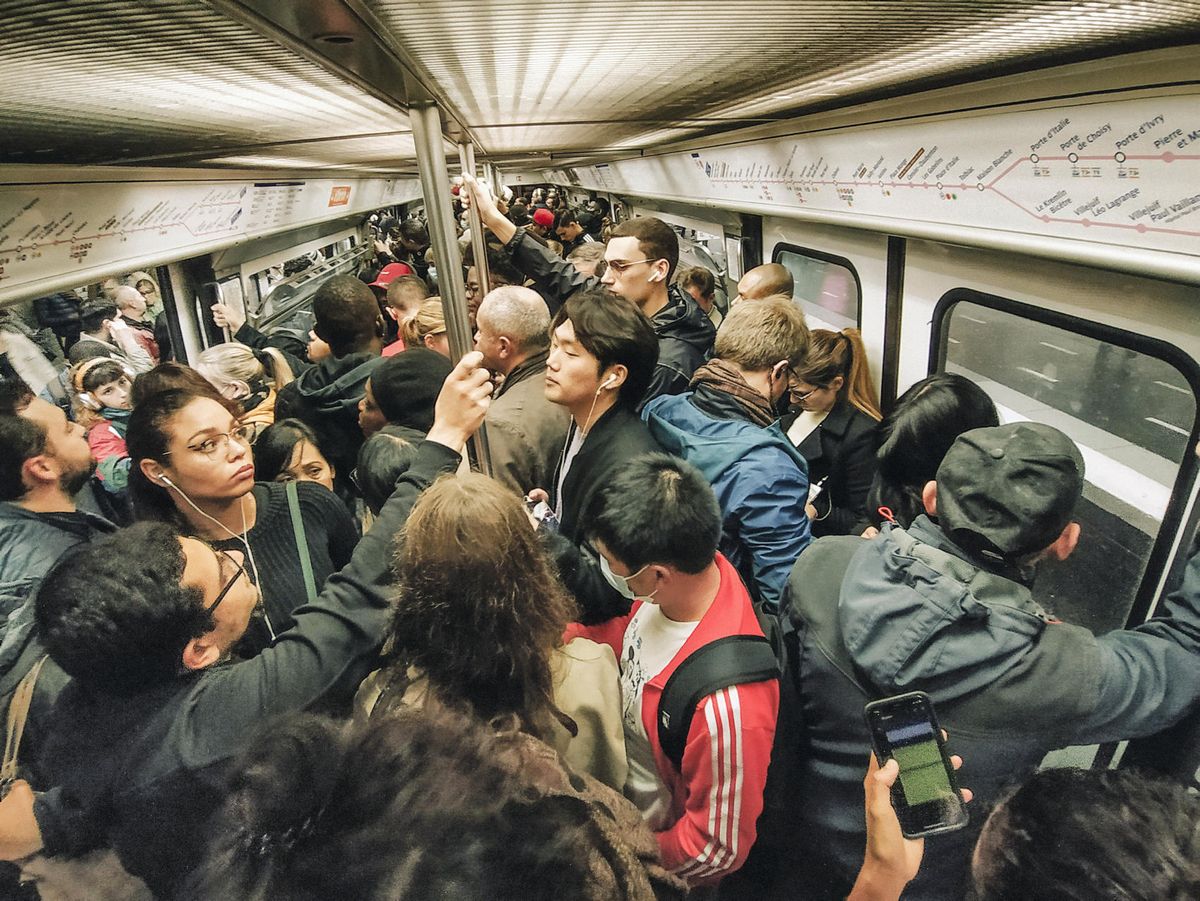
629,68
324,83
105,81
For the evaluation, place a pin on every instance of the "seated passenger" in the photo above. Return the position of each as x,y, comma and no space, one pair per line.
602,357
421,805
326,396
132,307
641,257
104,402
656,524
914,437
144,739
945,607
105,334
725,426
525,430
428,328
193,470
241,375
287,451
767,280
702,286
479,626
403,390
833,423
44,463
404,298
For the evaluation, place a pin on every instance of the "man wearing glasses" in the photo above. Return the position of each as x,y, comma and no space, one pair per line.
142,741
640,258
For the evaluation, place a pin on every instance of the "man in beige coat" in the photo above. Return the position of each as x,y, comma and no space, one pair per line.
526,432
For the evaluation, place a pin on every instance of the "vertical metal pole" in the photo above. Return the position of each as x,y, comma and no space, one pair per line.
426,124
478,244
493,175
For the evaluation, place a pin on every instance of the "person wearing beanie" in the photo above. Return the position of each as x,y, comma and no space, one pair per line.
402,391
945,606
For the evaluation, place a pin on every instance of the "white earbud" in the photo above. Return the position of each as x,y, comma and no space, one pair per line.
655,277
166,481
608,381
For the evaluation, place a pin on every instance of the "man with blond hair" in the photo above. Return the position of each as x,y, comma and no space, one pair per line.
526,432
726,426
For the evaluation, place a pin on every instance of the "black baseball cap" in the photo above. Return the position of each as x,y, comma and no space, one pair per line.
1009,491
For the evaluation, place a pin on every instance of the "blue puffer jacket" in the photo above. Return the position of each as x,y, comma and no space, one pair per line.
760,480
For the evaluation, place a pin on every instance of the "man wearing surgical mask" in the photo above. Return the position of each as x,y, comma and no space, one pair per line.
655,526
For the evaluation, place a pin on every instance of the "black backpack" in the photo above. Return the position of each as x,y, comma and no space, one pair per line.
729,661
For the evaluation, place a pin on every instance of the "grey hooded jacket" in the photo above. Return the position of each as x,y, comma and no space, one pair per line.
910,611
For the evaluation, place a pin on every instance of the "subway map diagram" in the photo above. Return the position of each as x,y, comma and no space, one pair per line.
1124,172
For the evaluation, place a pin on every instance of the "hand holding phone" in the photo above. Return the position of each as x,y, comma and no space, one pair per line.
926,795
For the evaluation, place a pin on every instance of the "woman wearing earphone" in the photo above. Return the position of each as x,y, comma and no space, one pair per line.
242,375
192,466
834,424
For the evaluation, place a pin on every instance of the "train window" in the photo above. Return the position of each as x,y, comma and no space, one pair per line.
827,286
1128,401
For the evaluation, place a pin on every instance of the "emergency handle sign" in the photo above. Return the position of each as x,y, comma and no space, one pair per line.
339,195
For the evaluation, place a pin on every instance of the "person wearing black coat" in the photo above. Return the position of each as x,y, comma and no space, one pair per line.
834,424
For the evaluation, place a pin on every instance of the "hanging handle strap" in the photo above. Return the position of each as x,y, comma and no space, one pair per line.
293,499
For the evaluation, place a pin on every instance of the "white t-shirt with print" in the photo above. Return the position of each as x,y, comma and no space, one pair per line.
651,642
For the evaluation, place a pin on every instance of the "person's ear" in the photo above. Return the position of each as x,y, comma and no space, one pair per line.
660,271
929,498
39,470
236,390
200,653
152,470
836,385
613,378
1065,544
393,314
505,344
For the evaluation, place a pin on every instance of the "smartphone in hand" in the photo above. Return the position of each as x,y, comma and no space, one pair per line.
926,795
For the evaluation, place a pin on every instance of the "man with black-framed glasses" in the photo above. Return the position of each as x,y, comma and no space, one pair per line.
641,257
142,741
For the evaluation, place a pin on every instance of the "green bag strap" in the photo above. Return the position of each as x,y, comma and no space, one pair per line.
293,499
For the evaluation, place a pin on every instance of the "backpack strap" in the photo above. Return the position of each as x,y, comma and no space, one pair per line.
18,713
729,661
293,499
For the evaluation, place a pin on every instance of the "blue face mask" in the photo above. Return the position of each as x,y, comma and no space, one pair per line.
621,583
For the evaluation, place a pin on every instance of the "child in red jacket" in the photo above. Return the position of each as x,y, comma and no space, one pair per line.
103,396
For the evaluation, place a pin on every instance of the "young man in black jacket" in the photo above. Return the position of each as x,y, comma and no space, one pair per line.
641,257
602,355
143,739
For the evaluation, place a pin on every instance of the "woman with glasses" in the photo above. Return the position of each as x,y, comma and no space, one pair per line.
834,424
192,467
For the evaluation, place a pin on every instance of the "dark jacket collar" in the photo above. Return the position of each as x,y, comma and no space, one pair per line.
531,367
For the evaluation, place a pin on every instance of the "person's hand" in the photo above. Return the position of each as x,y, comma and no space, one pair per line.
462,403
481,198
538,496
810,511
870,532
891,861
226,316
381,247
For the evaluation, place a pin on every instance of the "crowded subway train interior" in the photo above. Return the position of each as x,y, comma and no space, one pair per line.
1004,191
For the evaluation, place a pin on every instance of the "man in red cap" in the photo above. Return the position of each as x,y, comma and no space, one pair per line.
543,223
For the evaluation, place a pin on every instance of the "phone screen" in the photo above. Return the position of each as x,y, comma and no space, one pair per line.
926,795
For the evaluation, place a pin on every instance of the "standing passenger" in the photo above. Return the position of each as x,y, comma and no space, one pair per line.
326,396
240,375
766,280
192,469
404,298
702,286
602,355
656,525
132,306
105,334
526,431
726,428
834,426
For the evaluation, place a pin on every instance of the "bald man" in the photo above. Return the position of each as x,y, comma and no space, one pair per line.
764,281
